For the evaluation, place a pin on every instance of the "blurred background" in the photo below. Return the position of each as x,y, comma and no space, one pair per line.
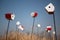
22,10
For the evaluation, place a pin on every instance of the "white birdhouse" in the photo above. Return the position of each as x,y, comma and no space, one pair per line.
21,27
50,8
17,23
39,25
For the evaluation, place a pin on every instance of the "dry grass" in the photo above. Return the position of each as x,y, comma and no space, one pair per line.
22,36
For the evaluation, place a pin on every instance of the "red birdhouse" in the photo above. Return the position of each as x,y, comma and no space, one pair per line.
34,14
9,16
49,28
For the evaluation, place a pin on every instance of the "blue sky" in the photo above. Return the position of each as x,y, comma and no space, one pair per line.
22,10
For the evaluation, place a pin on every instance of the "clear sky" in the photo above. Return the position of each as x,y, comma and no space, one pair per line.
22,10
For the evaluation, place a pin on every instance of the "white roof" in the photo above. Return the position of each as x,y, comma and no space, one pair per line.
48,26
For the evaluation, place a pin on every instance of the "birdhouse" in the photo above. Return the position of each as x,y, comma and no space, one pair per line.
50,8
39,25
21,27
34,14
9,16
17,23
49,28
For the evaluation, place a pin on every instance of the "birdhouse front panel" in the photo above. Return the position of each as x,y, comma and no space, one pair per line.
50,8
8,16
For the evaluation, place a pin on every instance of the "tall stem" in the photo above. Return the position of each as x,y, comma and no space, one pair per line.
55,27
32,27
7,30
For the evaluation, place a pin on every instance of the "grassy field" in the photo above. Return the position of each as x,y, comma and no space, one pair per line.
24,36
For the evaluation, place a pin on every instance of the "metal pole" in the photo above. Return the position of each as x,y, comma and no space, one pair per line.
7,30
32,27
54,26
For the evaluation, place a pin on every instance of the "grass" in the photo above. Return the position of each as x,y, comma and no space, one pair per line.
23,36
